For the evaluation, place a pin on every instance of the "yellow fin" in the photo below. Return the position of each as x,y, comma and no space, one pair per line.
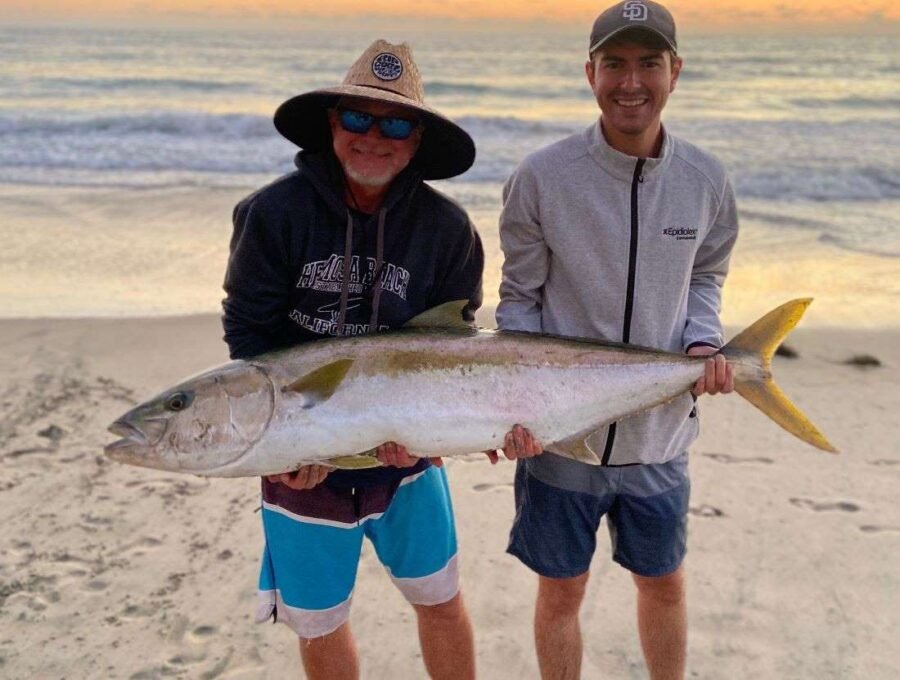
761,339
361,461
765,335
447,315
768,398
320,384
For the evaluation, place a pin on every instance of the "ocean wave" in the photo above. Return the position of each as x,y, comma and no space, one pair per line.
820,184
485,126
695,74
443,88
767,160
439,87
191,125
107,84
234,125
855,103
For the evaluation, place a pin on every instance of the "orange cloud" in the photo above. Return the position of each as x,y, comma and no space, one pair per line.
689,13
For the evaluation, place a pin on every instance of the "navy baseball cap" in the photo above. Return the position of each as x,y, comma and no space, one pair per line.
631,15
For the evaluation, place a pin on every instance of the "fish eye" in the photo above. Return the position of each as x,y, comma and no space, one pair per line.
178,402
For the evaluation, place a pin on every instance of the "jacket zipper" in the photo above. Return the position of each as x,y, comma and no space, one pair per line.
636,180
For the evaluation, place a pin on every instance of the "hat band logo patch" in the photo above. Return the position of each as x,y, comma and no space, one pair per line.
387,66
635,11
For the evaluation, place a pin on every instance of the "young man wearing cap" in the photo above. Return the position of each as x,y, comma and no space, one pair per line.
354,242
621,233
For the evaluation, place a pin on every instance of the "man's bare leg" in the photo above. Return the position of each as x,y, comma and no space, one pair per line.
662,623
448,645
330,657
557,632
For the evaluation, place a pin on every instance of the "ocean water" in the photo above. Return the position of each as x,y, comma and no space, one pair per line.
122,151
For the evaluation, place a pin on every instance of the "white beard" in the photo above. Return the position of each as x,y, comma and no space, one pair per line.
366,180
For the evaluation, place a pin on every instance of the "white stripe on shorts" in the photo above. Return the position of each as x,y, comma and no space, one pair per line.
306,623
318,520
436,588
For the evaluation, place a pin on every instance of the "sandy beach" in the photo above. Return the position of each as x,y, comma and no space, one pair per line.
110,571
128,131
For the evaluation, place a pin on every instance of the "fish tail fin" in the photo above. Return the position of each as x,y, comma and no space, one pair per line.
760,340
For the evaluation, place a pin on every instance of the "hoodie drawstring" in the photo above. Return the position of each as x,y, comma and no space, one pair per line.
379,263
345,275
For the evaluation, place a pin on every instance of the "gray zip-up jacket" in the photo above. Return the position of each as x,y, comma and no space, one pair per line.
599,244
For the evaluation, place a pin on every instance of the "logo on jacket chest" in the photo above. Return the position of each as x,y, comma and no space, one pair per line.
327,276
681,233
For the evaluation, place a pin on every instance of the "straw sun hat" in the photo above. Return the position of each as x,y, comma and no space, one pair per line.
384,73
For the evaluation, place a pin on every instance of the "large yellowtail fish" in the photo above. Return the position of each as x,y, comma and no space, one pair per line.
439,387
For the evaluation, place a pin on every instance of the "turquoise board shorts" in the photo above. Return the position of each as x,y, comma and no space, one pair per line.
314,538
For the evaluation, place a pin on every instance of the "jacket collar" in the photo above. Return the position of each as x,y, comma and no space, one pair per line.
620,165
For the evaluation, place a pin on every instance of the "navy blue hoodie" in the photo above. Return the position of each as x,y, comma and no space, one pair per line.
285,271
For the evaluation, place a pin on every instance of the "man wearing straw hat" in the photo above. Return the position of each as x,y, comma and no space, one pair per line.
354,242
622,232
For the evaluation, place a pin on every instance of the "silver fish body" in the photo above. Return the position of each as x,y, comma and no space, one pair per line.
436,390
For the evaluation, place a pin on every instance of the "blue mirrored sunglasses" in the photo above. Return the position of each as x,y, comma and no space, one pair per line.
391,127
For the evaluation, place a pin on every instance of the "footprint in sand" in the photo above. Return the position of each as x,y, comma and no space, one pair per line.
725,458
492,487
186,658
92,521
219,666
201,634
18,453
187,663
153,673
73,571
140,546
137,611
706,511
809,504
885,462
216,665
876,529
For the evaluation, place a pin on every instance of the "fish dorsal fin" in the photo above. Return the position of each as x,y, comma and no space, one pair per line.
447,315
581,447
318,385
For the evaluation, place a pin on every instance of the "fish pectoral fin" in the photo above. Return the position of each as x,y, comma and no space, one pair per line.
582,447
447,315
360,461
318,385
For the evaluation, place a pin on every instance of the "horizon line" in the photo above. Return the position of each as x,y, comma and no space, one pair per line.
368,23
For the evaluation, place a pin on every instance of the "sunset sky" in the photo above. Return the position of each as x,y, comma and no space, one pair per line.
814,15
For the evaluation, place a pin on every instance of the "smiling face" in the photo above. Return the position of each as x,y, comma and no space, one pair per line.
370,159
632,84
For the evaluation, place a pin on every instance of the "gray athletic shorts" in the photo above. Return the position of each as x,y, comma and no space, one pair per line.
555,530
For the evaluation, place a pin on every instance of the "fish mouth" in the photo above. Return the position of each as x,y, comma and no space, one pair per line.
131,438
134,437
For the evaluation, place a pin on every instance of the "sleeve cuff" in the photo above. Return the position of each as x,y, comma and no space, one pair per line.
700,343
